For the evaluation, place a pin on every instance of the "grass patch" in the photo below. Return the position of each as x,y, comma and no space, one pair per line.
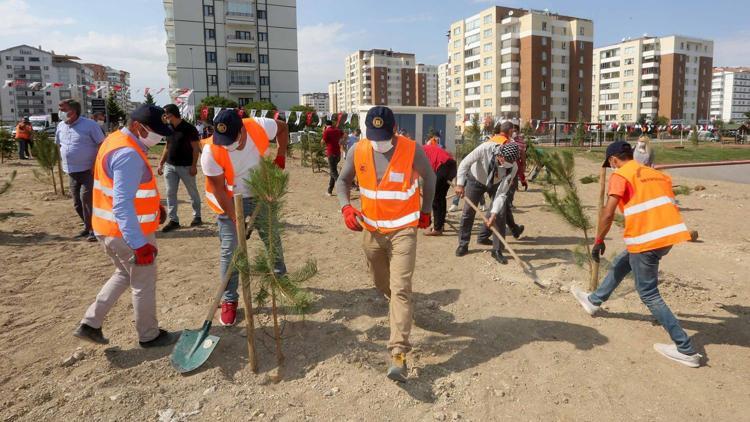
668,154
681,190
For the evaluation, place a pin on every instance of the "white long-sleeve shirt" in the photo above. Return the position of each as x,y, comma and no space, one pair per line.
477,163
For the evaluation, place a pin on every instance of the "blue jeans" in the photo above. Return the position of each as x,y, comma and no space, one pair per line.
172,177
645,268
228,238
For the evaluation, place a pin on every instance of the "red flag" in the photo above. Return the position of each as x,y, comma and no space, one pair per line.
338,119
57,84
145,91
204,113
92,89
117,87
308,120
276,115
241,112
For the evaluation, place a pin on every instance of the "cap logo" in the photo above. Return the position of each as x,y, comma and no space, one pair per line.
377,122
164,118
221,128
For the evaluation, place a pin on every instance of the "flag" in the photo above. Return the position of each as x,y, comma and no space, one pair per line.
263,113
159,91
349,118
117,87
252,112
338,119
309,119
8,83
35,85
276,115
145,91
204,113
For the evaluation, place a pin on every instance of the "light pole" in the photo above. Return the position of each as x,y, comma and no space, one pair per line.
192,73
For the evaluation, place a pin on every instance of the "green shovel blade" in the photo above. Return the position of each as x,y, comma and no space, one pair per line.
193,348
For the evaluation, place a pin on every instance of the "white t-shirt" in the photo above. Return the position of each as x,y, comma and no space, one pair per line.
243,161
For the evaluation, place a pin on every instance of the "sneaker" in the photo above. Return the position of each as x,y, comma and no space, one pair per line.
462,250
487,242
196,222
228,313
89,333
453,208
172,225
398,370
583,298
517,231
82,234
91,237
670,351
434,232
329,194
499,257
165,338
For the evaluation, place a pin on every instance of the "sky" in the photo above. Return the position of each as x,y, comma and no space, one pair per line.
130,34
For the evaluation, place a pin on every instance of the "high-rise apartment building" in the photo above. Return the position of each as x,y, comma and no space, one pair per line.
379,77
427,85
730,93
518,63
337,96
316,100
109,80
245,50
444,85
647,77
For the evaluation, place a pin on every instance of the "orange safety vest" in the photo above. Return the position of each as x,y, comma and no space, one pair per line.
499,139
394,203
146,200
652,220
23,131
221,156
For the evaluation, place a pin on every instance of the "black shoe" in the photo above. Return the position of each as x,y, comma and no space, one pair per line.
165,338
196,222
499,257
88,333
172,225
487,241
462,250
91,237
517,231
82,234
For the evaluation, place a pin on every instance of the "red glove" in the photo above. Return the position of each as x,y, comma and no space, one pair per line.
424,220
145,255
280,161
350,218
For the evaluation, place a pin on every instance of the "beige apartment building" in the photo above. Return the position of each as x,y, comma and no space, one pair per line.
380,77
336,96
646,77
730,93
519,63
444,85
427,85
317,100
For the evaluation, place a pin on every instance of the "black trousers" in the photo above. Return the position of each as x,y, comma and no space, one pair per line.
82,189
445,173
333,168
473,191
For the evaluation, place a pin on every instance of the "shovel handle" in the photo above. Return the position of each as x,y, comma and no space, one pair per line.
594,281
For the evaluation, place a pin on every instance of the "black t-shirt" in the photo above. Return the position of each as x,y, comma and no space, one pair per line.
179,149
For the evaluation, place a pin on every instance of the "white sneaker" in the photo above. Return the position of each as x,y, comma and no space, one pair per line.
453,208
583,298
670,352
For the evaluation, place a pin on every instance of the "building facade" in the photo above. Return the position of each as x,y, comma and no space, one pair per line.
730,94
444,85
643,78
427,85
517,63
316,100
109,80
245,50
379,77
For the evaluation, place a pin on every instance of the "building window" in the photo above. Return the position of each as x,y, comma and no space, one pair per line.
580,73
457,31
580,60
264,80
564,45
544,85
488,47
488,102
243,101
487,61
487,33
457,44
210,34
262,14
487,75
544,56
488,19
210,57
244,57
243,35
580,31
487,89
262,36
562,87
544,26
208,10
544,100
544,70
213,80
263,58
544,40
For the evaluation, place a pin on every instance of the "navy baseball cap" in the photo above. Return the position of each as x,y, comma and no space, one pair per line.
379,124
616,147
153,117
227,125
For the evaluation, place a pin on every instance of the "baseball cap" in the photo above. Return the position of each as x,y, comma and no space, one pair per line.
616,147
153,117
227,125
379,124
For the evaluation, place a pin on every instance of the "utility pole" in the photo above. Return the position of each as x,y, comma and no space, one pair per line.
192,75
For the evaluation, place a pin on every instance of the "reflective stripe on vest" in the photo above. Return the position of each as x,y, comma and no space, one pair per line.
652,220
140,193
109,216
394,202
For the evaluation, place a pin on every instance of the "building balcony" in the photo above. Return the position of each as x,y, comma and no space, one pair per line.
509,79
504,94
649,87
650,76
509,50
648,65
237,65
510,107
509,65
241,87
237,18
233,41
651,99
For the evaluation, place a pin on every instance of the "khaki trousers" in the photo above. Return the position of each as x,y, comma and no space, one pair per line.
390,261
142,283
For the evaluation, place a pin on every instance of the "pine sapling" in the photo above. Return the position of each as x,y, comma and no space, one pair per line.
47,155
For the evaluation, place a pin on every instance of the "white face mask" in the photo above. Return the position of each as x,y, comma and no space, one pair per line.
233,147
382,146
63,115
151,139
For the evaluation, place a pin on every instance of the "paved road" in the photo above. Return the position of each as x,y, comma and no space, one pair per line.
737,174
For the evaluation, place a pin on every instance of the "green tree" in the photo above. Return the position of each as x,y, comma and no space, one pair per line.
149,99
260,105
217,101
46,154
527,130
580,136
661,121
694,135
114,111
472,136
7,145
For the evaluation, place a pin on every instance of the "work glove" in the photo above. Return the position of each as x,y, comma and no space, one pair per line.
598,250
280,161
162,214
424,220
145,255
350,218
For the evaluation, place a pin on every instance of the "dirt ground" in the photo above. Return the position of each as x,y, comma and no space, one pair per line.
489,345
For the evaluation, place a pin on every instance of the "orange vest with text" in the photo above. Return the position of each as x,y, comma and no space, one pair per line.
23,131
652,220
394,203
146,198
259,137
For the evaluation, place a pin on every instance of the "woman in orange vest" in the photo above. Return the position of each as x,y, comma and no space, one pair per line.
24,132
388,169
125,214
652,226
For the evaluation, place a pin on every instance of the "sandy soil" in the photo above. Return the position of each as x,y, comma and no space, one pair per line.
489,344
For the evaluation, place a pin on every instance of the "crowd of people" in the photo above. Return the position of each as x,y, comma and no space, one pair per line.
402,186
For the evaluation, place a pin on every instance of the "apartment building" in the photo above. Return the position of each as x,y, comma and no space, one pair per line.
519,63
427,85
337,96
730,93
444,85
316,100
245,50
109,80
647,77
379,77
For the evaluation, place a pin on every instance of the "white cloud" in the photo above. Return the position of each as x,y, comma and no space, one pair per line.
732,51
322,50
19,19
423,17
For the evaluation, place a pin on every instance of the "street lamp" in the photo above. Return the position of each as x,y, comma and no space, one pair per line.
192,72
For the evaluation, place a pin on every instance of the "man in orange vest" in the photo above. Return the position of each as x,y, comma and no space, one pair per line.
125,214
24,132
652,226
388,169
228,157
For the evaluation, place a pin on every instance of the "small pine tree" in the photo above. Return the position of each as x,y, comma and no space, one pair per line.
149,99
7,184
114,110
46,154
7,145
472,135
527,130
580,135
694,135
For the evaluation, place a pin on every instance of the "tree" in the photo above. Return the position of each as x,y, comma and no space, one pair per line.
694,135
149,99
580,136
114,111
661,121
747,115
217,101
260,105
46,154
7,145
472,135
527,130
